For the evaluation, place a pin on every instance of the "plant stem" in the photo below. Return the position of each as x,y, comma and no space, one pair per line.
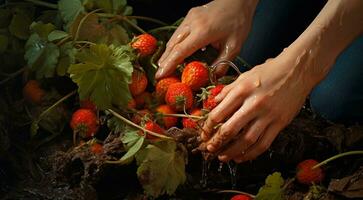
84,42
56,104
336,157
185,116
164,28
237,192
137,126
13,75
81,23
42,3
133,25
156,21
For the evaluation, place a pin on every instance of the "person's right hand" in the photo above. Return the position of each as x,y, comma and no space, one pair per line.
222,23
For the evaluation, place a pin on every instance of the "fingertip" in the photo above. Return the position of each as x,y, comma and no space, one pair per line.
223,158
211,148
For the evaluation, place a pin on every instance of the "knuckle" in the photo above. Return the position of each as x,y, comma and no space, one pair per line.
227,131
213,119
263,146
249,139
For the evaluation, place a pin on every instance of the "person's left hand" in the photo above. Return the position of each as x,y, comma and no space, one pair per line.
255,108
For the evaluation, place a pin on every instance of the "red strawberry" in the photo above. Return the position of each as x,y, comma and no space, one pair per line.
168,121
154,127
131,104
241,197
145,44
88,104
191,123
162,86
196,75
96,148
141,115
209,102
84,122
138,83
33,92
178,96
306,175
143,99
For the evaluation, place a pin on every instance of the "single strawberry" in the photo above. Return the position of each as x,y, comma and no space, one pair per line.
138,82
131,104
141,116
162,86
143,100
192,123
167,121
306,175
196,75
241,197
96,148
178,96
84,122
32,92
145,44
88,104
209,98
154,127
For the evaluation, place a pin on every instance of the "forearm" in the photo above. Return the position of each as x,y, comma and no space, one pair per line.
336,26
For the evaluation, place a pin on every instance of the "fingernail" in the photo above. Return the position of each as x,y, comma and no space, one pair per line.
159,73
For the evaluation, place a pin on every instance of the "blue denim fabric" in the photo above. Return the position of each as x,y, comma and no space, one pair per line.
339,97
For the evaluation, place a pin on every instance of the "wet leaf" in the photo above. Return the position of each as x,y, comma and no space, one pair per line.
41,29
272,190
19,26
41,56
57,35
133,143
103,74
161,168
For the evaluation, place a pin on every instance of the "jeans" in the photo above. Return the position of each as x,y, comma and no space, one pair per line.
276,24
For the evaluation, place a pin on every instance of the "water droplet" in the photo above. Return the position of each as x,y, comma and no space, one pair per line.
205,169
203,49
233,172
220,167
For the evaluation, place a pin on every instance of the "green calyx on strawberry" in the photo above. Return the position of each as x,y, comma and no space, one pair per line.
179,96
196,75
145,44
307,175
208,96
84,122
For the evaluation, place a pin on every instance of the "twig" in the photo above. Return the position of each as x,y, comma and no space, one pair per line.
137,126
336,157
164,28
13,75
42,3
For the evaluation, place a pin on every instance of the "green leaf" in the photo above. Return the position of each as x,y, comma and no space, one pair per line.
133,143
90,30
103,74
4,41
272,190
161,168
118,35
57,35
19,26
42,57
41,29
69,10
66,58
118,126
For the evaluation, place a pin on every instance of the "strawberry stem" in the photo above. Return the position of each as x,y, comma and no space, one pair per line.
156,21
336,157
114,113
42,3
56,104
185,116
81,23
237,192
13,75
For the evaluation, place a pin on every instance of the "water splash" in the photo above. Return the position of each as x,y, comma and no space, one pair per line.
220,167
205,170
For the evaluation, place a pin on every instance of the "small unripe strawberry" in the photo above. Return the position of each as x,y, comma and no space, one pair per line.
84,122
178,96
33,92
162,86
145,44
196,75
138,83
192,123
167,121
241,197
306,175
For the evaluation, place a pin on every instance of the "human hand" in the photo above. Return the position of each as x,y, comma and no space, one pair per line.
255,108
223,24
